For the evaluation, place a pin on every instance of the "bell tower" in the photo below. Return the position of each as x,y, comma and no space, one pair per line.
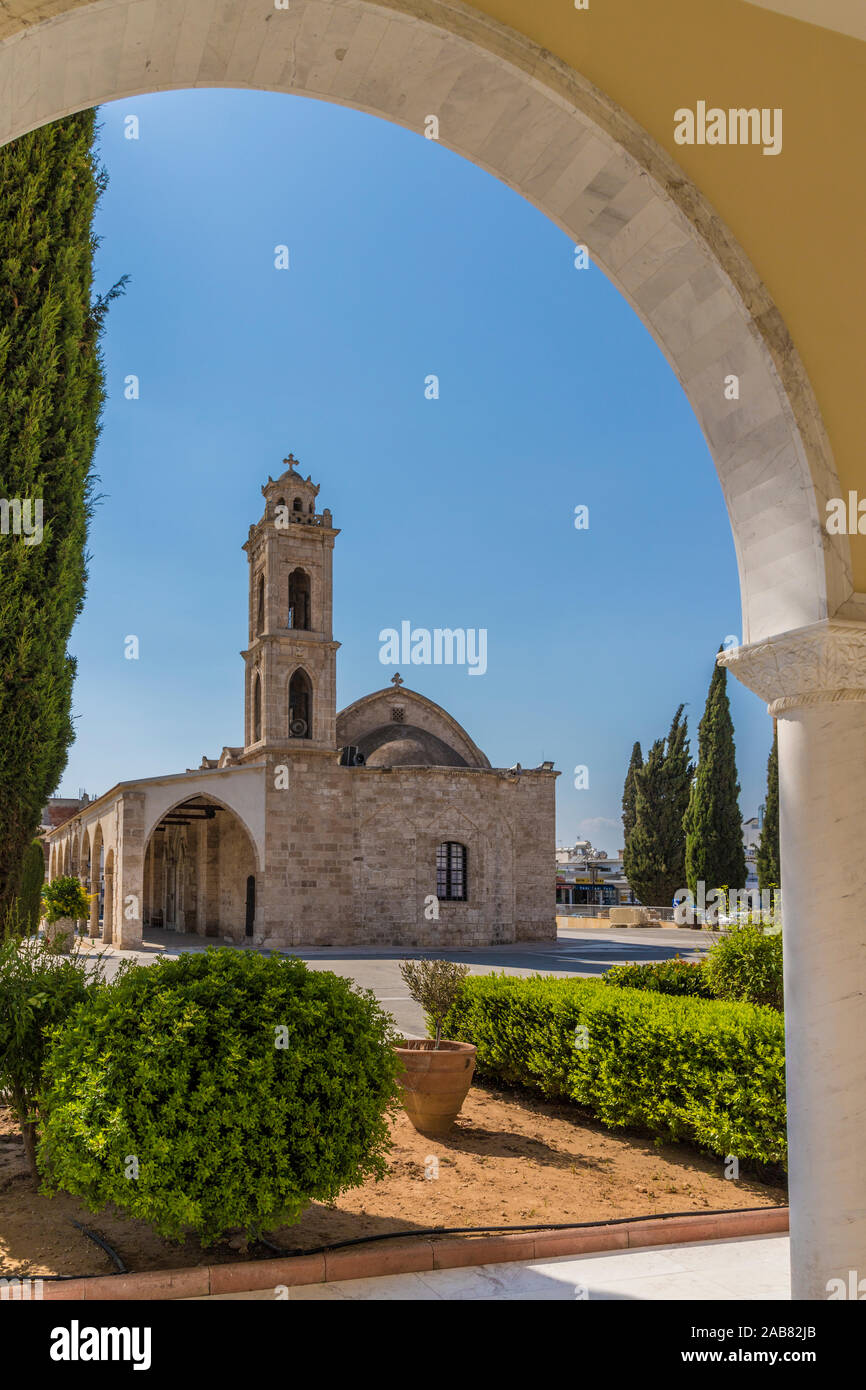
290,692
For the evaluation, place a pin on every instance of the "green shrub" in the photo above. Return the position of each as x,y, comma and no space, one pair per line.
37,990
746,964
701,1070
219,1090
64,897
665,977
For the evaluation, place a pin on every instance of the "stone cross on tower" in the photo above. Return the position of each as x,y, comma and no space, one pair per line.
291,461
397,680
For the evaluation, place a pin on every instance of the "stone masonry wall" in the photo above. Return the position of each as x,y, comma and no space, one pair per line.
351,856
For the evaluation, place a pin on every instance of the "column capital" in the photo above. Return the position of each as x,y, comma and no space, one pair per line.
819,664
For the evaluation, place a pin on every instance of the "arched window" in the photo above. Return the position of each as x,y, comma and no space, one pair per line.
297,505
300,706
451,882
260,609
257,708
299,599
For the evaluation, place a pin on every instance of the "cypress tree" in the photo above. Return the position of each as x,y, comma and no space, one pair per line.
628,794
768,858
51,394
654,856
713,825
28,904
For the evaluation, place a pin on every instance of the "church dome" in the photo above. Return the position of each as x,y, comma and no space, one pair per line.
402,752
400,728
408,747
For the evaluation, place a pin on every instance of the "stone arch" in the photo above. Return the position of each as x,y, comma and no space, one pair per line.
199,855
219,801
84,873
301,696
260,605
300,598
256,707
97,878
108,906
523,115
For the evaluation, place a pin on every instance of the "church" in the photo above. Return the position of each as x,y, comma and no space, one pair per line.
380,824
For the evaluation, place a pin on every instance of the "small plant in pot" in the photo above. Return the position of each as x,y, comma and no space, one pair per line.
437,1072
64,902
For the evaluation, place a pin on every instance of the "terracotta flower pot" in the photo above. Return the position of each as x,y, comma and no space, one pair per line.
435,1081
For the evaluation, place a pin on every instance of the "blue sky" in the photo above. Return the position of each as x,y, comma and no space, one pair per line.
405,261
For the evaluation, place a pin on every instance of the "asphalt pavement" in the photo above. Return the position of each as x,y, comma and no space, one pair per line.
580,951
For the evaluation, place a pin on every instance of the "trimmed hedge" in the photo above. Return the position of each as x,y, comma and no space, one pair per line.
218,1091
663,976
700,1070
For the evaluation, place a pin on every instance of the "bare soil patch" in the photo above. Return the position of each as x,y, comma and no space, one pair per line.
510,1159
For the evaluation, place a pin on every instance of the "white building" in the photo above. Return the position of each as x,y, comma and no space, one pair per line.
590,877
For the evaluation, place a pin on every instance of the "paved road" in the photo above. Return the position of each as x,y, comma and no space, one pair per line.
583,951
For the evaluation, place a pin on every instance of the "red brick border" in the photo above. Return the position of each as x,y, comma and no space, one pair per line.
417,1256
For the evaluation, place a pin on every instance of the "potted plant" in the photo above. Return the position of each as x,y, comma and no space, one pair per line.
64,902
437,1072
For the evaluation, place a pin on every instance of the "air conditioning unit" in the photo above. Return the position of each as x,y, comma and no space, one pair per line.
298,728
350,756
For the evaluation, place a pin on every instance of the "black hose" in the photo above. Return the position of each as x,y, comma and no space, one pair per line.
478,1230
58,1278
112,1254
279,1252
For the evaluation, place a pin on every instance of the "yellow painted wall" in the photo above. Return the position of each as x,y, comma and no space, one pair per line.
801,215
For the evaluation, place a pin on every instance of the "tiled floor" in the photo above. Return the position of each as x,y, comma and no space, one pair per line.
741,1270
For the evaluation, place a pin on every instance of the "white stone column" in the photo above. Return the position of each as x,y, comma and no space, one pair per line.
814,680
